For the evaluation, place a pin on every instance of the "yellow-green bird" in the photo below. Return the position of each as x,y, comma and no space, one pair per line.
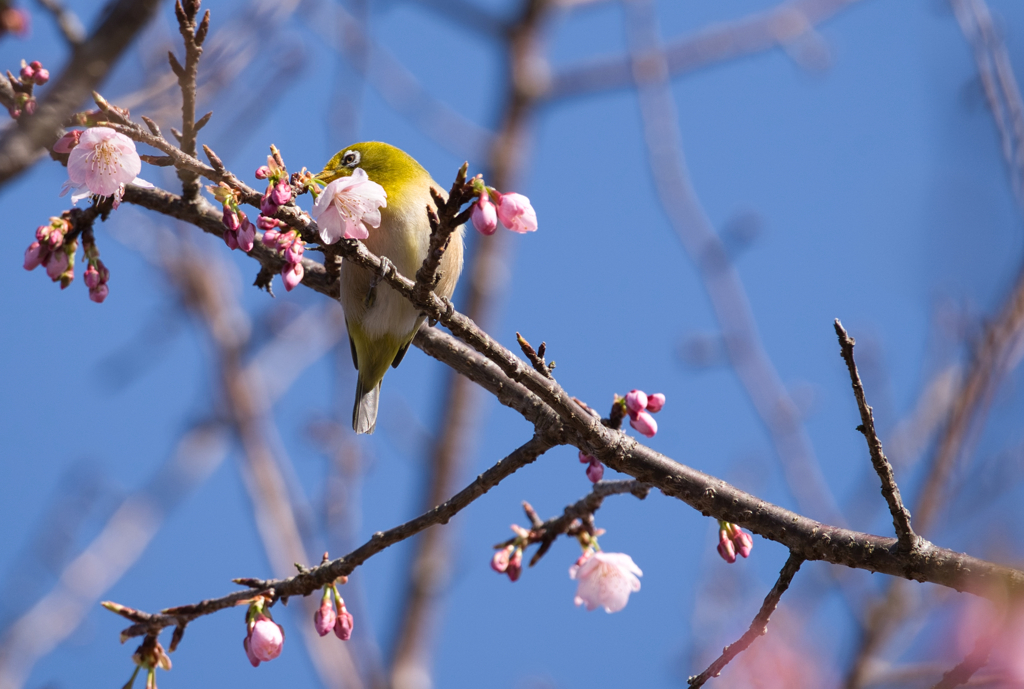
381,323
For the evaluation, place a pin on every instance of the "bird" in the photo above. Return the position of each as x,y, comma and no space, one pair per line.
381,323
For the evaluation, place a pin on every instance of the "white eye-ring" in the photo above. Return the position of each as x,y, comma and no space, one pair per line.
350,159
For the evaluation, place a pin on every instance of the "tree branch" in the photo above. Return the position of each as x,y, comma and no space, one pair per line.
900,515
315,578
88,64
759,627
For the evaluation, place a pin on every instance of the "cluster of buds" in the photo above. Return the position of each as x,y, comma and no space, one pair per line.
513,210
328,618
595,469
279,191
239,232
264,638
53,251
32,74
96,274
731,540
149,656
291,246
509,558
604,580
640,406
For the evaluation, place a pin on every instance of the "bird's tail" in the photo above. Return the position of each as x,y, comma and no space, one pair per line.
364,413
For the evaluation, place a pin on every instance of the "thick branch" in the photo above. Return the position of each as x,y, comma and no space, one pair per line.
900,515
759,627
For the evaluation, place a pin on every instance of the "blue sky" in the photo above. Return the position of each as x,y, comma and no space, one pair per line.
880,197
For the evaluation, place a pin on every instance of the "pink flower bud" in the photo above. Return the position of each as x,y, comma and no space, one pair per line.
282,193
295,251
57,265
500,561
246,235
595,471
743,542
725,547
343,626
91,277
586,459
636,401
248,653
231,218
265,638
655,402
231,239
515,565
516,213
265,223
484,216
14,112
68,141
42,76
267,205
30,106
262,172
292,274
99,294
325,617
270,236
33,256
28,72
644,423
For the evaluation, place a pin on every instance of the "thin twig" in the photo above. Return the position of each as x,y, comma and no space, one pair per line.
547,532
193,35
759,627
900,516
965,669
315,578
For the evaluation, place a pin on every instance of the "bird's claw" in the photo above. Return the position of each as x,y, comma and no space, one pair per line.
385,270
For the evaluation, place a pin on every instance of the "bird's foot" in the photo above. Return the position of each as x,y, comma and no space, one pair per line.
386,269
448,312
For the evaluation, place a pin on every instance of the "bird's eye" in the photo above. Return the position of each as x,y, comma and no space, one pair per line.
350,159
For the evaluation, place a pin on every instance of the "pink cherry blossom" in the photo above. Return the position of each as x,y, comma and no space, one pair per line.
265,640
636,401
292,275
484,216
103,161
325,617
344,623
348,207
655,402
516,213
605,580
644,423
